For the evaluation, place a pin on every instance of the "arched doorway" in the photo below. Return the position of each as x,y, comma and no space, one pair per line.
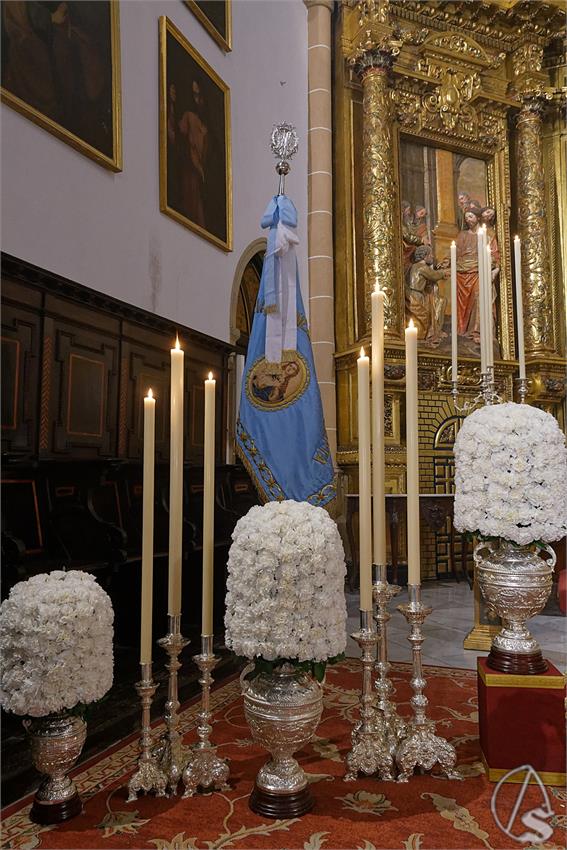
245,288
246,303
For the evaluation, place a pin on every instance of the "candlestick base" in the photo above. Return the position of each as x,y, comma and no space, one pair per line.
382,593
371,752
421,747
169,752
149,776
205,769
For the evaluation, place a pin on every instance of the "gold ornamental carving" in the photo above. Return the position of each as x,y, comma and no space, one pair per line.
460,44
451,101
527,59
447,116
536,277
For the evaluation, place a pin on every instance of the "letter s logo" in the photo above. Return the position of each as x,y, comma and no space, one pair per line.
535,819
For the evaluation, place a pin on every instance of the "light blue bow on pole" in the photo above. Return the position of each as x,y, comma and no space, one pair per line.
280,434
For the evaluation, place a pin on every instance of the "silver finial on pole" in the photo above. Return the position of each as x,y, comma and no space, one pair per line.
283,142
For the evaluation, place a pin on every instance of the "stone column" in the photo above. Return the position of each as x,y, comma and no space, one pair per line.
536,275
320,209
380,261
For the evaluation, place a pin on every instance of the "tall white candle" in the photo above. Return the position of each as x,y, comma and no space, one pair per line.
412,461
481,297
148,529
209,508
454,314
488,307
364,497
378,472
519,307
175,481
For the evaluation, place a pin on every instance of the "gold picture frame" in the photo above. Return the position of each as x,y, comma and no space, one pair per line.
223,41
16,20
194,140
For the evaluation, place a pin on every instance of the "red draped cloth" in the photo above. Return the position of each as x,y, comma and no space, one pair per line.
467,284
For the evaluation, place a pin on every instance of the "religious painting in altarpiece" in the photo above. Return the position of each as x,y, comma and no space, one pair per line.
445,197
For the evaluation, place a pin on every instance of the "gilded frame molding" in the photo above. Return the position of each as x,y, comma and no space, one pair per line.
113,163
224,43
166,27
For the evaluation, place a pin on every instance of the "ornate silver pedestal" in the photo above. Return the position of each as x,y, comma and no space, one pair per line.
56,744
383,592
370,753
205,769
515,583
149,776
283,710
421,747
172,757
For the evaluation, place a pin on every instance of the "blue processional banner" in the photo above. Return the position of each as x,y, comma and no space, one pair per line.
280,433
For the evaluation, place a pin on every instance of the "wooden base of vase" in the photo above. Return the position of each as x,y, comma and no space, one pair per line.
271,805
50,813
522,664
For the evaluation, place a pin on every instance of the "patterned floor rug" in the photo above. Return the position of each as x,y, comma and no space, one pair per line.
428,813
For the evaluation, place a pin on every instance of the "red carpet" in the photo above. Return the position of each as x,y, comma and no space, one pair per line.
428,813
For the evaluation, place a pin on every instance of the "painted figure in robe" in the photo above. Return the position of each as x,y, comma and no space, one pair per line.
424,302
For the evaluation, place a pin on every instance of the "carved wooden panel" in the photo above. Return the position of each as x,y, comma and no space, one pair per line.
20,355
84,392
146,362
20,513
77,365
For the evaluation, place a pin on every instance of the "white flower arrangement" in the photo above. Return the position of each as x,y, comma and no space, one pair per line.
285,598
56,643
511,475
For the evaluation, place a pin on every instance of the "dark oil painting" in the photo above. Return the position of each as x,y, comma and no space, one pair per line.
61,69
196,171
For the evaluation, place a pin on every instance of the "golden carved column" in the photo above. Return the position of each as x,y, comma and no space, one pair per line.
380,260
536,275
529,84
320,209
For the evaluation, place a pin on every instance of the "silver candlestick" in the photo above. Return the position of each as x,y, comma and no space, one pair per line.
370,752
421,746
205,769
169,751
149,776
522,389
383,592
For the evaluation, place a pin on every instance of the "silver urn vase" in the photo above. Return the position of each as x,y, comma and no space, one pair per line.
283,710
56,744
515,583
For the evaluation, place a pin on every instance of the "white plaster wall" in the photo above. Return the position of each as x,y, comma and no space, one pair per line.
65,213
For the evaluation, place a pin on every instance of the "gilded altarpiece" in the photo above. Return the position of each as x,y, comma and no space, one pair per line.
452,84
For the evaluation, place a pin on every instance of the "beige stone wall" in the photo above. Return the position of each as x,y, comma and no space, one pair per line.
320,208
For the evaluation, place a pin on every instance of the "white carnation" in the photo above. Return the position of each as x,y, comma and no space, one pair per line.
285,586
511,474
56,643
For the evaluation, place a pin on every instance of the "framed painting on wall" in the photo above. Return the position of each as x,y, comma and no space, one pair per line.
195,159
61,69
445,196
216,17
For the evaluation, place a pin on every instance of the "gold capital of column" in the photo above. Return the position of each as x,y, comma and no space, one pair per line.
536,272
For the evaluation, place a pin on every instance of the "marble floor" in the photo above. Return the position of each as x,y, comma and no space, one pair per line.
448,625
